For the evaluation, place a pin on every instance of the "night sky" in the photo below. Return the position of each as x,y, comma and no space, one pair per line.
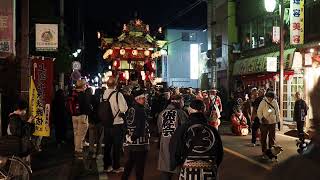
109,16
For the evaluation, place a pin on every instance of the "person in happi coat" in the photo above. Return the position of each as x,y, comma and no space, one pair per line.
196,147
169,119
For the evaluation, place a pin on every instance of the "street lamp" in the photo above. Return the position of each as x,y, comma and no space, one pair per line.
270,6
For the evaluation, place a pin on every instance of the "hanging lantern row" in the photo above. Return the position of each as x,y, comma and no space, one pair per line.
129,53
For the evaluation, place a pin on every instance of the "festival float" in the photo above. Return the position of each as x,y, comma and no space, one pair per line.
134,54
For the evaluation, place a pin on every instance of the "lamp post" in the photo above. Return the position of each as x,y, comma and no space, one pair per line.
270,6
281,58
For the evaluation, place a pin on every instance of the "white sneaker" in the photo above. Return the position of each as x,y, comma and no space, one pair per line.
85,143
119,170
109,169
252,145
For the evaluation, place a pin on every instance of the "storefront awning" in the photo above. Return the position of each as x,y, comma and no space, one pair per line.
258,64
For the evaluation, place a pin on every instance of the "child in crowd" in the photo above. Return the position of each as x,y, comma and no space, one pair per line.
239,125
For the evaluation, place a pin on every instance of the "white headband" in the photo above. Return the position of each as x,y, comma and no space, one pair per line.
140,96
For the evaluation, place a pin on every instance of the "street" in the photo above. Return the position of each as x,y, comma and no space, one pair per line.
240,162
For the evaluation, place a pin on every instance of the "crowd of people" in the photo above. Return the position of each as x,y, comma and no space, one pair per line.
184,121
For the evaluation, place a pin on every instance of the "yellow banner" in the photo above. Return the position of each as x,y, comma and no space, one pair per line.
37,110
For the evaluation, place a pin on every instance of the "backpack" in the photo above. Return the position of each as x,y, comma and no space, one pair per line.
104,111
73,104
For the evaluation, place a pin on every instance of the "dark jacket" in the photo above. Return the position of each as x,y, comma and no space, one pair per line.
137,126
19,127
300,110
59,112
85,103
195,139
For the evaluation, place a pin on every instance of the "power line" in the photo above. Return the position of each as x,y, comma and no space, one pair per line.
196,29
184,11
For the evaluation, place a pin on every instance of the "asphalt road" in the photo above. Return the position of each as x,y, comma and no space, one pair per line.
240,162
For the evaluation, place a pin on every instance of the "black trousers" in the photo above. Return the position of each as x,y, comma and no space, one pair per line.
300,125
113,138
136,159
166,176
255,127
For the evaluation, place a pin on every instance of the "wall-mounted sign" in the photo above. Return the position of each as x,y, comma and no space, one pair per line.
275,34
296,21
308,60
46,37
272,64
6,28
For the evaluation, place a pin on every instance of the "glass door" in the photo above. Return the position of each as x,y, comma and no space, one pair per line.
291,86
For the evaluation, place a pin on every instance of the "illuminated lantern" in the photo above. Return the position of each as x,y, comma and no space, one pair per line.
134,52
122,52
147,53
147,28
110,51
143,75
105,55
125,28
153,65
122,76
160,30
116,64
126,74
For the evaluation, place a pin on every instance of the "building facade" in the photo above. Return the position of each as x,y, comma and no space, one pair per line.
250,69
222,24
183,64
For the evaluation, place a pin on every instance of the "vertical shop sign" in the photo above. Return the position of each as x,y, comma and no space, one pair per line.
6,28
296,22
41,93
276,34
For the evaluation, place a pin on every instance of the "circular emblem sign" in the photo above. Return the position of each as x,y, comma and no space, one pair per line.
76,65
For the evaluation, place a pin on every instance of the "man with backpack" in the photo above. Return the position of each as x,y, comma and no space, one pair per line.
79,107
111,113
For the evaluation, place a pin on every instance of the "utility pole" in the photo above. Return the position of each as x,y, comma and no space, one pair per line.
61,75
24,51
281,58
212,38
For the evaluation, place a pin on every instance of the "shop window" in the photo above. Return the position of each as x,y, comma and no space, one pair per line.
261,32
219,46
189,36
245,36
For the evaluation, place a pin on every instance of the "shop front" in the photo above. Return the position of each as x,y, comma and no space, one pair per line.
252,72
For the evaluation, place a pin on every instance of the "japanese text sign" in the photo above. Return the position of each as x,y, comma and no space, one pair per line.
296,22
40,94
6,28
